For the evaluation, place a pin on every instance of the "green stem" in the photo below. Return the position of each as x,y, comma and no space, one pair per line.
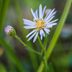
41,45
45,45
43,51
45,61
56,34
27,47
45,41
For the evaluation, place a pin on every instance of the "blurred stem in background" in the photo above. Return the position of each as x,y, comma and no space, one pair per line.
1,1
3,10
9,50
2,68
32,55
35,3
11,55
57,33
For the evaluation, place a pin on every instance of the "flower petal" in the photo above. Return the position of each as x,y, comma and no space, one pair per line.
50,15
42,34
40,12
28,22
33,14
29,27
31,33
31,36
46,30
50,25
35,37
36,13
53,21
44,10
50,18
47,13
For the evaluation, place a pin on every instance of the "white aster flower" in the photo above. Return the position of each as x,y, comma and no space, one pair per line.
41,24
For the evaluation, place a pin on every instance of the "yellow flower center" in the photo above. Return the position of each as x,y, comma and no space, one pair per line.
40,24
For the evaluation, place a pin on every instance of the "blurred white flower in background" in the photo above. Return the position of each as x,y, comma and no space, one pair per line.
41,24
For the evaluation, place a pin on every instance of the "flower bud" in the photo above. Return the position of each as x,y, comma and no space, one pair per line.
9,30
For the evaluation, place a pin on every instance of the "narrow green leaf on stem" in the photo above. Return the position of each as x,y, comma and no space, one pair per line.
57,33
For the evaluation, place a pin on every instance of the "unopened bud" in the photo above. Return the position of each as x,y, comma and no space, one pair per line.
10,30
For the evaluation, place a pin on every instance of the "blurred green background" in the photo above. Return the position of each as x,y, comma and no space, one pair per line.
13,56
